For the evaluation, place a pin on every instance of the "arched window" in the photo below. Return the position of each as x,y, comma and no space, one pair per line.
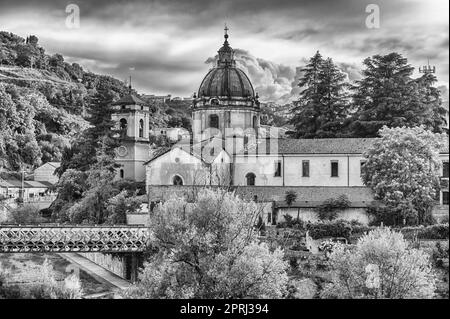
141,128
122,173
123,126
214,121
250,179
177,180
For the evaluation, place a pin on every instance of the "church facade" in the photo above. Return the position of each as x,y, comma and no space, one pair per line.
228,147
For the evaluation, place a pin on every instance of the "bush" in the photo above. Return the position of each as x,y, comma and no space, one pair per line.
439,255
382,214
26,215
438,231
301,289
330,207
338,228
380,266
46,288
290,222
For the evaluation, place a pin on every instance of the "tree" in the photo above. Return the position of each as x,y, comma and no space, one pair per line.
329,209
290,198
209,249
322,106
121,204
101,137
380,266
387,95
431,97
402,170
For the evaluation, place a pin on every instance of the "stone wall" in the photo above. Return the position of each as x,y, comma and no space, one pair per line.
309,214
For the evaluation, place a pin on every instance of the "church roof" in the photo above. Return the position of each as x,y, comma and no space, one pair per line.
313,146
129,99
226,81
321,146
325,145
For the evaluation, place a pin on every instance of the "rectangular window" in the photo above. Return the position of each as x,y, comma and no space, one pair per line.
277,168
445,169
361,167
444,198
305,168
334,168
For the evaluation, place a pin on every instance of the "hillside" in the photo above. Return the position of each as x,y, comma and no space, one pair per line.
43,102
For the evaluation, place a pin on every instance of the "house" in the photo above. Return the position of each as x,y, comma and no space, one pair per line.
46,172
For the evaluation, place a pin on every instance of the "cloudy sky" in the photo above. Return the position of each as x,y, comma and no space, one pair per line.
167,45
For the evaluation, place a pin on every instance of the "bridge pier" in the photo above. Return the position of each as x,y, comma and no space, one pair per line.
132,262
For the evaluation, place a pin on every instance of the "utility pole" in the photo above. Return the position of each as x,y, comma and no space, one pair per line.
22,191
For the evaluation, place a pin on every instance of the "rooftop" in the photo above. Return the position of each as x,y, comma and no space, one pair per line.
129,99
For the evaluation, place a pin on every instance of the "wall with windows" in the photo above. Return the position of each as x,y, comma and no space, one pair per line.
300,170
223,118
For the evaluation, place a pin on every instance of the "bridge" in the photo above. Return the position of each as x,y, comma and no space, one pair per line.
70,238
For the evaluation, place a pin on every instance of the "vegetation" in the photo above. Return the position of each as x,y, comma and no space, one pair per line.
209,249
402,169
388,96
380,266
47,286
438,231
329,209
337,228
323,103
25,215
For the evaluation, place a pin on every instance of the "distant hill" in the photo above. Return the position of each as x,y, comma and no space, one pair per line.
43,102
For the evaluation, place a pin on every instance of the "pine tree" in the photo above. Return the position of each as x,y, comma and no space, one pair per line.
386,95
431,98
322,105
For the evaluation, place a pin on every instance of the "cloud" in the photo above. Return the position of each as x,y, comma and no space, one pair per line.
168,41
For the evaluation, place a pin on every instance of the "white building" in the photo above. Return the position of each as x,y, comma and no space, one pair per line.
230,148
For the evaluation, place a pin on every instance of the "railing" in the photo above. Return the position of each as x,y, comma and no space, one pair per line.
25,239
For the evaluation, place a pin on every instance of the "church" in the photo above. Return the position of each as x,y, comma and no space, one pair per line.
230,148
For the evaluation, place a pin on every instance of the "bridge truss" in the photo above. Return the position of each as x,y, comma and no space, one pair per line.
26,239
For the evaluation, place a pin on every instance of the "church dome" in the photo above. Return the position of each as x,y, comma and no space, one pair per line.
226,80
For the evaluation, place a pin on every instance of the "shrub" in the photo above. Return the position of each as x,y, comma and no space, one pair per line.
301,289
329,209
290,197
439,255
26,215
382,214
437,231
380,265
338,228
290,222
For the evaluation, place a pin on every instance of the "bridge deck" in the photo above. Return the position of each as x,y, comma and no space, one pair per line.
25,239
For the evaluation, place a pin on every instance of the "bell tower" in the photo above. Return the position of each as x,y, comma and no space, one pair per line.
132,116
